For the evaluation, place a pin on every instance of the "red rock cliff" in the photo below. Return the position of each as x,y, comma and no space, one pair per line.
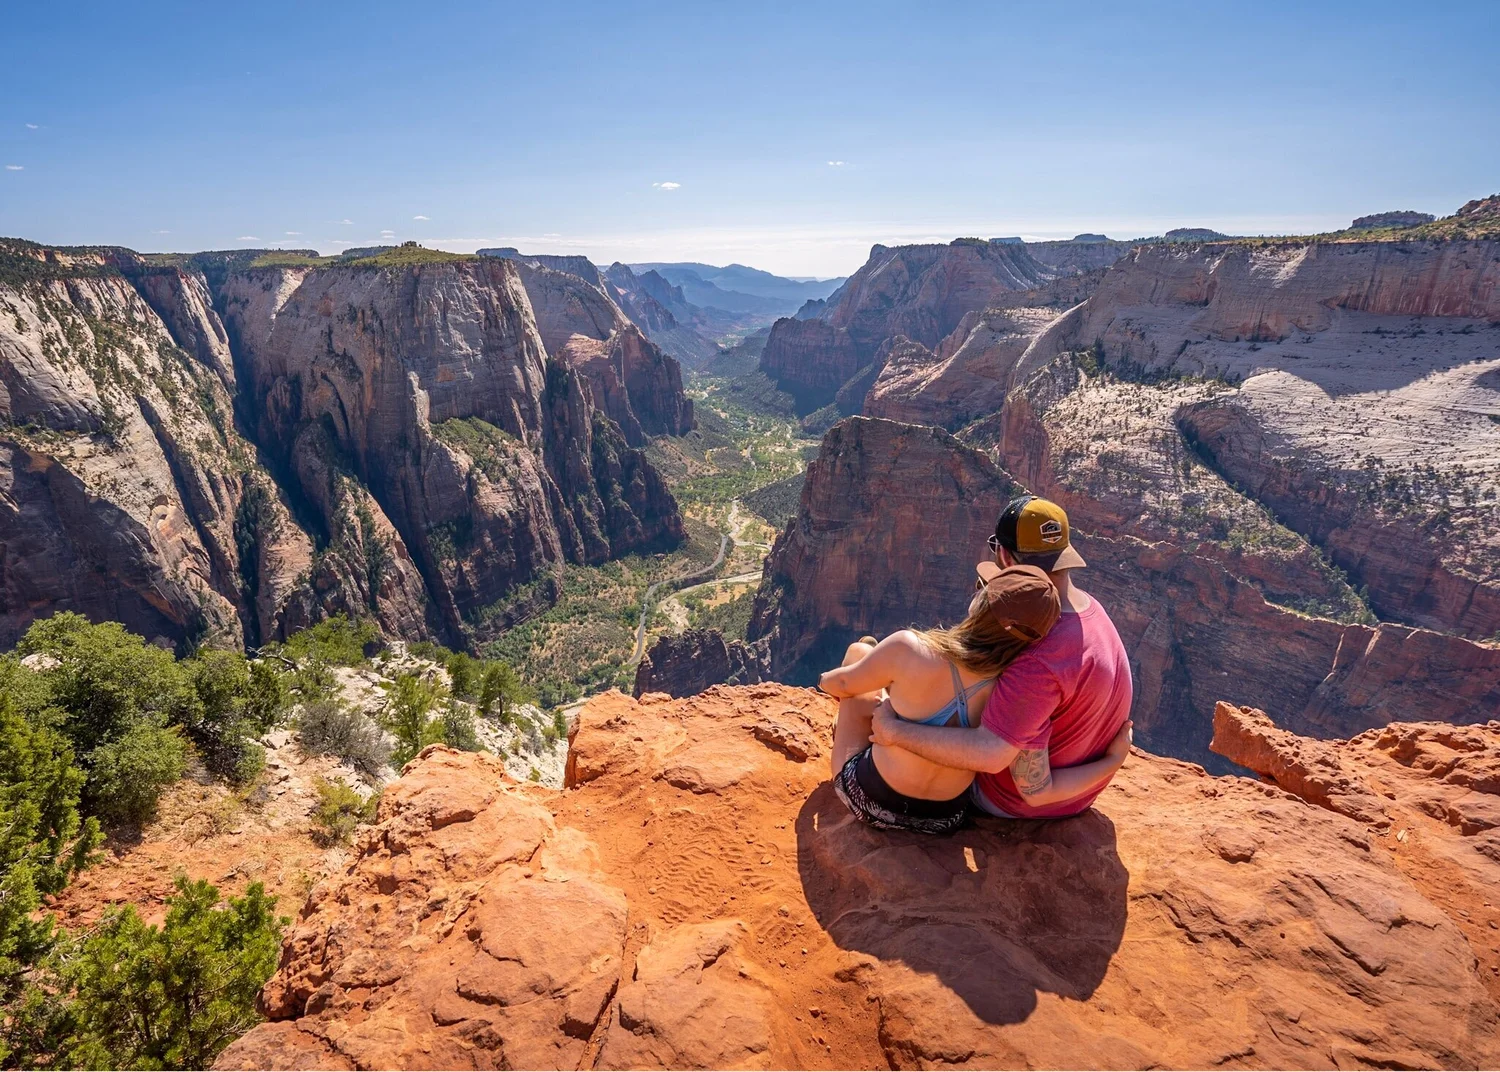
921,292
893,518
699,898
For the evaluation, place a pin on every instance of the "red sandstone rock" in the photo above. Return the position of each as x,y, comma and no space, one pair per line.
1186,921
894,516
1303,766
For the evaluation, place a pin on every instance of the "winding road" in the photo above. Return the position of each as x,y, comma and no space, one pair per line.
736,526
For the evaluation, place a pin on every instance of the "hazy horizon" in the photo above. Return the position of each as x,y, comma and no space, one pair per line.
785,138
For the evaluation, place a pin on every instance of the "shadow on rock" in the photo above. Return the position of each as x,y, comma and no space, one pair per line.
997,912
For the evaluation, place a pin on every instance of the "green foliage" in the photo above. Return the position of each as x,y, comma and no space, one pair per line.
778,503
731,618
327,727
377,552
44,840
490,447
23,262
426,649
130,773
266,698
106,679
235,706
289,258
129,995
464,674
457,729
255,522
407,256
500,689
559,723
340,809
336,641
407,717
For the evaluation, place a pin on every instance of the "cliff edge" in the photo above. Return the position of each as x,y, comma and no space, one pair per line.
698,897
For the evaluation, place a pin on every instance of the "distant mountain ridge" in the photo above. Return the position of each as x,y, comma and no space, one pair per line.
738,288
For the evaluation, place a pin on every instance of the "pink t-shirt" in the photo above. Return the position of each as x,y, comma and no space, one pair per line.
1070,694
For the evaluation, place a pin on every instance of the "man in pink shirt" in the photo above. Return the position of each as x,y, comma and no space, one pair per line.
1065,702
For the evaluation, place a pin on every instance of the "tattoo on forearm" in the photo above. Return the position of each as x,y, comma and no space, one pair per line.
1032,771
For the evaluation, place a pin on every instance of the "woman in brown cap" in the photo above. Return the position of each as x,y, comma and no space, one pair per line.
935,677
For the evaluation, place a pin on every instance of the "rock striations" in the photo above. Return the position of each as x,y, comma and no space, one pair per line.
920,292
894,516
699,898
1367,392
195,446
686,663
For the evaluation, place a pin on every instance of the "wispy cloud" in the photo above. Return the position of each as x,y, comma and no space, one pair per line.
347,223
161,232
552,234
387,234
248,238
14,167
294,234
667,185
32,126
835,163
419,217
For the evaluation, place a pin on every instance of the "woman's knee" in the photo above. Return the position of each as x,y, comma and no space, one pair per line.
857,651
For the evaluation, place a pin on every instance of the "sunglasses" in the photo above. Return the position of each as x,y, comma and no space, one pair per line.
994,542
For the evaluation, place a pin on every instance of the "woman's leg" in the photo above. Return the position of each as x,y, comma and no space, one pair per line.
851,733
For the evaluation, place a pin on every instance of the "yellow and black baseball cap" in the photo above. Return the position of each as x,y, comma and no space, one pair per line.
1035,532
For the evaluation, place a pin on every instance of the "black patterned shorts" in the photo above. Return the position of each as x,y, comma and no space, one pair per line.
866,794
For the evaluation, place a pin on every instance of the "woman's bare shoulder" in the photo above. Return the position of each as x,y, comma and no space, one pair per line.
905,644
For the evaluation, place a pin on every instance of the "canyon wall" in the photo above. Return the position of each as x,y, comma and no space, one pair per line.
1366,394
125,481
893,518
637,385
699,898
431,387
920,292
201,449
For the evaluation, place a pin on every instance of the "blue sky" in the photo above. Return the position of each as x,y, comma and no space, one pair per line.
795,134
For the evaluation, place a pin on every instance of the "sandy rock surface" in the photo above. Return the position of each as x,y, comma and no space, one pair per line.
700,898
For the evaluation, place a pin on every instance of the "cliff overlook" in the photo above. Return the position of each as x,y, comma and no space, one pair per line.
698,897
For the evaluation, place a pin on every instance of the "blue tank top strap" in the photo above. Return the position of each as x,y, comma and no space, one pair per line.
959,704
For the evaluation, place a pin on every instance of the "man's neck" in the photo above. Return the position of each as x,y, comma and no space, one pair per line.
1074,600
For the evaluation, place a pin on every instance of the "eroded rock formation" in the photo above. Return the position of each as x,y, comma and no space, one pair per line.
699,898
123,481
686,663
198,448
893,518
920,292
1366,379
631,380
433,384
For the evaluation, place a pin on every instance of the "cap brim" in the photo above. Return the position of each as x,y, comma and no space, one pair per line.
1067,558
987,571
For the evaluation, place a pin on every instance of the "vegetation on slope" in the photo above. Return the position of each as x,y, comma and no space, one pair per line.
95,726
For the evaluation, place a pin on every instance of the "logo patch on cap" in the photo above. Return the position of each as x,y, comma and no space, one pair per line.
1051,531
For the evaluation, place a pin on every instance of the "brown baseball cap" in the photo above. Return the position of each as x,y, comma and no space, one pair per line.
1035,531
1021,599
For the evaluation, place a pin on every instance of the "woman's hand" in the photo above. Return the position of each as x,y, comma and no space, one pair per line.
884,724
1119,748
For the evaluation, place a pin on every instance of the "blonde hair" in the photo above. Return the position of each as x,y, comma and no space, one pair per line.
979,643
